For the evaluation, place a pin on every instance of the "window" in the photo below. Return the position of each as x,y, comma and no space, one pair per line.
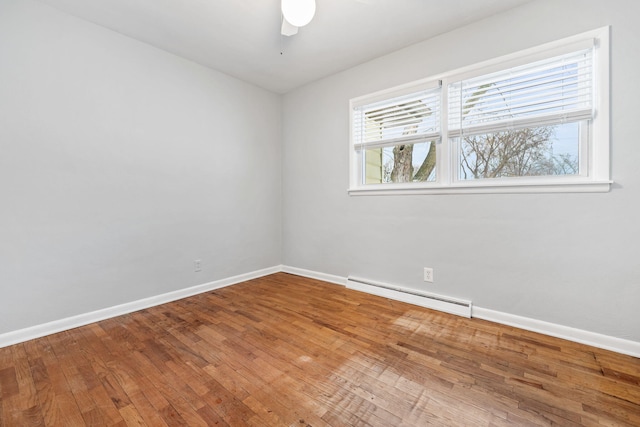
396,136
532,121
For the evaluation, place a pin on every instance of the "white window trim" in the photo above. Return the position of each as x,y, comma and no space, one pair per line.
597,178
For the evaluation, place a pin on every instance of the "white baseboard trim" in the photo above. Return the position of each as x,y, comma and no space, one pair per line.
338,280
619,345
42,330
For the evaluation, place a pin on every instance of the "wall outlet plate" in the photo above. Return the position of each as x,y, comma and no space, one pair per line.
428,274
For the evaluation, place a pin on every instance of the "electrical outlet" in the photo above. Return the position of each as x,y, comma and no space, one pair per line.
428,274
197,265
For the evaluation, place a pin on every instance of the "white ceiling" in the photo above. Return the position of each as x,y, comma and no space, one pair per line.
242,37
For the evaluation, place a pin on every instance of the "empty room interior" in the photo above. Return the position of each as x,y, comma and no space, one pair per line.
364,213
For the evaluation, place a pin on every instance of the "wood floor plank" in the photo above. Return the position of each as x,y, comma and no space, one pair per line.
284,350
16,385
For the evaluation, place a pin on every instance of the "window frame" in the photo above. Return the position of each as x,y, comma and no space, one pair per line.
594,145
425,86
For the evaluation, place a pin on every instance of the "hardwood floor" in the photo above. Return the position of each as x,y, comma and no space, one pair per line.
288,351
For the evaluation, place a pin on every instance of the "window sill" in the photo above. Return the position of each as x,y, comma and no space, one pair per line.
483,188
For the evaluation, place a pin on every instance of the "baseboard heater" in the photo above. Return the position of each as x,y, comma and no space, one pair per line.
411,296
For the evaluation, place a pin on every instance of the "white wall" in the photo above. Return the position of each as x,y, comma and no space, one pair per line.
568,259
120,165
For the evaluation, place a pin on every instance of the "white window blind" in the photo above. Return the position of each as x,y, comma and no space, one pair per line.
408,118
555,90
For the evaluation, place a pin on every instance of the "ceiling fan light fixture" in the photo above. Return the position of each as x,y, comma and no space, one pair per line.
298,12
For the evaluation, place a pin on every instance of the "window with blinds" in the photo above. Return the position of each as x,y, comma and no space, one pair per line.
395,136
525,121
533,121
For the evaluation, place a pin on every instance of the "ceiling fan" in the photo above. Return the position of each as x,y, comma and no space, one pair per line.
296,14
